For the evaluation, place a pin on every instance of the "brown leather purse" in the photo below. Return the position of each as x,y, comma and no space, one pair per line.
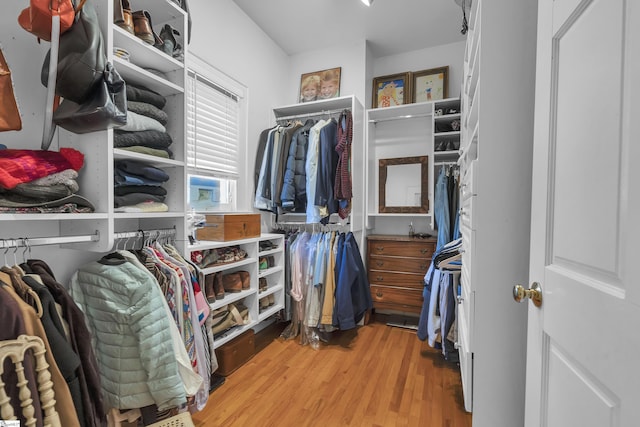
36,19
9,114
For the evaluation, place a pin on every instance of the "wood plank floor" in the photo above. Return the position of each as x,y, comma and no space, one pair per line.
377,376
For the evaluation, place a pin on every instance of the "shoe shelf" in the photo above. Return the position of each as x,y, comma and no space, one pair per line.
230,265
232,333
269,271
143,54
135,74
230,297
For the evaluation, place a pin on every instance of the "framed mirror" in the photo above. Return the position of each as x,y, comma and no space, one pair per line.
402,185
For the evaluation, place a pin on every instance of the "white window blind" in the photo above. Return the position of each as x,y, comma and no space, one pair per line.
213,121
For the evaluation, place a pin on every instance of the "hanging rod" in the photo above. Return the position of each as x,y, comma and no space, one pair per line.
406,116
315,114
451,163
25,242
159,232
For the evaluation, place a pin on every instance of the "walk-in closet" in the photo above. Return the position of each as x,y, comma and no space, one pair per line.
321,213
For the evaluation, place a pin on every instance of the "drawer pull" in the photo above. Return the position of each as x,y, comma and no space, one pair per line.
379,278
424,250
379,263
380,248
379,294
423,266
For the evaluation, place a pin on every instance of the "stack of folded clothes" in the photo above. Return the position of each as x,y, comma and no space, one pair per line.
145,130
37,181
138,187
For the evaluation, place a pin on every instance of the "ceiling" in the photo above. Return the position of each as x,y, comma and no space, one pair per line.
390,26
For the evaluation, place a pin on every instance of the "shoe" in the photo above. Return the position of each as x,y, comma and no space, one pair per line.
232,282
209,290
246,279
122,16
440,146
272,299
171,46
263,264
143,28
264,303
218,286
262,284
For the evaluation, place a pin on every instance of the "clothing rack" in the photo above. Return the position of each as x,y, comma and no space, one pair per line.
312,226
309,115
405,116
450,163
147,235
26,242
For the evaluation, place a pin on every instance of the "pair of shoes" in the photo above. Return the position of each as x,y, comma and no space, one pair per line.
232,282
440,146
143,28
213,287
453,145
122,16
272,299
170,42
267,245
262,284
264,303
246,279
266,262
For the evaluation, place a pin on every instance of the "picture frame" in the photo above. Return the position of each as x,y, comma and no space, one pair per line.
391,90
430,85
323,84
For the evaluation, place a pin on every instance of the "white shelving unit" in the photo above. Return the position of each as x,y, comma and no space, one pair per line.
96,177
251,296
407,131
331,108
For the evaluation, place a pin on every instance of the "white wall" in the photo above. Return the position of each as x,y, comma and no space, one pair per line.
350,57
449,54
223,36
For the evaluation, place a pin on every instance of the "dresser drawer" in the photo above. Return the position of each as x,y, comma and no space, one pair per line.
396,299
398,280
407,265
412,249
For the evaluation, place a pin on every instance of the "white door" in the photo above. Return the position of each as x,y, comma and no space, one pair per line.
583,356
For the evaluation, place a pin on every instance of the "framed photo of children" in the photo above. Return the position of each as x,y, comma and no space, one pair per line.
391,90
320,85
431,85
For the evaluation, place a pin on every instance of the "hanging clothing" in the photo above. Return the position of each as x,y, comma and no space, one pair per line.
343,185
137,365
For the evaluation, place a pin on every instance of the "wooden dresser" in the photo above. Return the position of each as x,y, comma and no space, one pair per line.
396,268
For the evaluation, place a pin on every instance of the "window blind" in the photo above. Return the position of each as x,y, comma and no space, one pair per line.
213,121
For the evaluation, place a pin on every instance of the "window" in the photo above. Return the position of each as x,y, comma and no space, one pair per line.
214,116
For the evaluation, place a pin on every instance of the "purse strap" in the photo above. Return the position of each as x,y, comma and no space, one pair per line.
49,127
52,99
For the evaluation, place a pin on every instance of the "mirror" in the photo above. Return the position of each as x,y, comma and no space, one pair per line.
402,185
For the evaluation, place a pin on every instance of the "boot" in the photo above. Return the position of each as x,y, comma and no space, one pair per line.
122,15
218,287
209,290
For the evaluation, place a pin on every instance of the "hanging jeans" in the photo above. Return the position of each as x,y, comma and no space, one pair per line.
442,210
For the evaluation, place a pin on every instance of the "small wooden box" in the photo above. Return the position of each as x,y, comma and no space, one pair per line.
235,353
225,227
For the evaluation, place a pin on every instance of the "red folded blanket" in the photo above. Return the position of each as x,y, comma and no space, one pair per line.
20,166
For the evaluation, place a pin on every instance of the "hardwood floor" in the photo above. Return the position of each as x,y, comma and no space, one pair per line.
376,375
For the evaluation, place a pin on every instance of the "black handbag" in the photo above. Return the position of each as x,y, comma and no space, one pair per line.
106,107
81,57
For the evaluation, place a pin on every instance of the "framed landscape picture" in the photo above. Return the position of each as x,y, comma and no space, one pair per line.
431,85
391,90
318,85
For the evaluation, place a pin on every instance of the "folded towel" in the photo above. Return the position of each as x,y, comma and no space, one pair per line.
146,138
135,198
148,110
143,94
156,152
149,189
20,166
137,122
141,169
144,207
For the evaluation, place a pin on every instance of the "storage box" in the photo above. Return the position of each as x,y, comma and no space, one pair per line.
225,227
235,353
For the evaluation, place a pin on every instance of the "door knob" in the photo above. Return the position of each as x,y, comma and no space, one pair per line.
534,293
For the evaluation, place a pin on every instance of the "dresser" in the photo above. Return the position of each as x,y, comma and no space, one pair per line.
396,268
